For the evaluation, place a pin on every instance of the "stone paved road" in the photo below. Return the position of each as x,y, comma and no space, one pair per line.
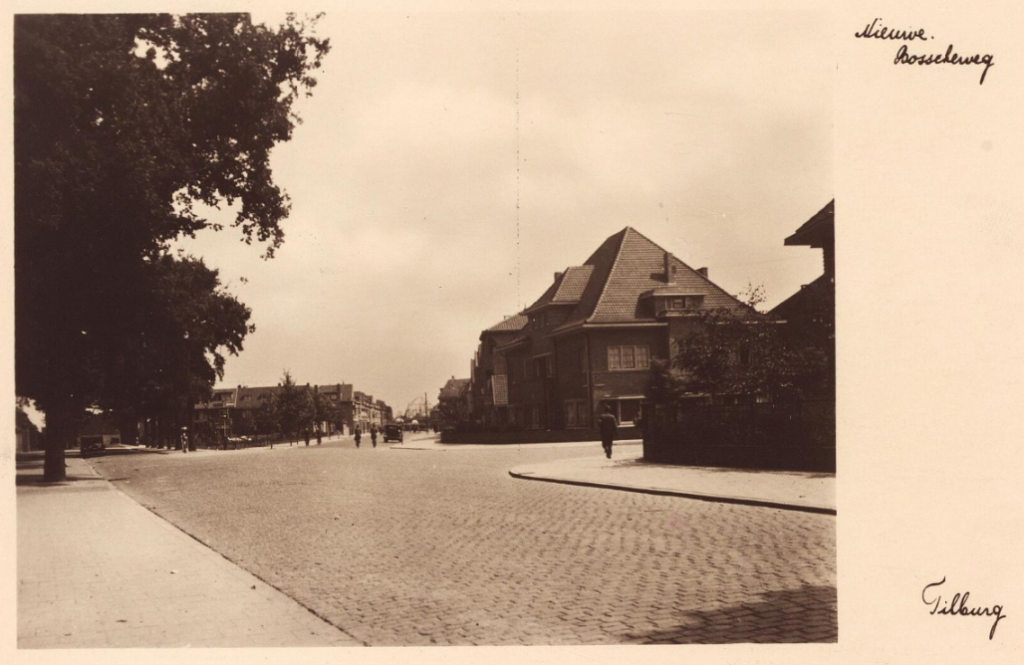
423,547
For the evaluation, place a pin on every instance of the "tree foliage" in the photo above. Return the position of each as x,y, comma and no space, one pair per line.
125,125
295,410
168,351
738,352
266,417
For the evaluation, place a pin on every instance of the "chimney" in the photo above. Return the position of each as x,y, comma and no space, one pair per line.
703,272
670,270
557,275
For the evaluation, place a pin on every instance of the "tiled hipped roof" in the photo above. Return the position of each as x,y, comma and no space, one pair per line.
511,324
626,265
567,288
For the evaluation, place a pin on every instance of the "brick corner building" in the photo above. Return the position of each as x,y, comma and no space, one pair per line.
588,341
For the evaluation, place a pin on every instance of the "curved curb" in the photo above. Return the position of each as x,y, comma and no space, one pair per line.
527,475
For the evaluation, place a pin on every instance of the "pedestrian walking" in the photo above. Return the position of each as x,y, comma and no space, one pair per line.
359,435
609,428
373,434
184,439
319,436
305,435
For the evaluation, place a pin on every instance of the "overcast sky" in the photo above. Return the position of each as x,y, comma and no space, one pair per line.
449,164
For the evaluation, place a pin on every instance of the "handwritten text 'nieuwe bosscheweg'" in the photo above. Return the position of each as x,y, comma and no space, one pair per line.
875,30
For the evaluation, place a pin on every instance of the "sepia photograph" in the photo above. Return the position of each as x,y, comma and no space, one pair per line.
425,328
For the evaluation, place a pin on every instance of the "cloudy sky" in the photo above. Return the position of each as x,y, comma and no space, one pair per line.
450,163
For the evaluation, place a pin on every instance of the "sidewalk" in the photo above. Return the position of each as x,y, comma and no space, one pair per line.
431,443
790,490
96,569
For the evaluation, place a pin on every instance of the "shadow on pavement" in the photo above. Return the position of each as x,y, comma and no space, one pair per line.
29,472
805,614
29,466
641,463
108,452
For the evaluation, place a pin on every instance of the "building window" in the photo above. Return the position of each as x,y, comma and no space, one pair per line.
542,367
583,414
624,410
629,357
739,356
576,414
679,303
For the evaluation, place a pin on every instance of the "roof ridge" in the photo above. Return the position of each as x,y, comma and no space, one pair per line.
611,271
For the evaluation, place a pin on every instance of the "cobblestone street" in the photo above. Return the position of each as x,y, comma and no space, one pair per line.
405,547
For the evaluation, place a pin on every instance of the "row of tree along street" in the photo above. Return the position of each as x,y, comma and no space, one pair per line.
291,413
125,125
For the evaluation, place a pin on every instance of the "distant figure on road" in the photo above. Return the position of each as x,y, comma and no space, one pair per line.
305,435
319,436
373,434
184,439
359,435
609,428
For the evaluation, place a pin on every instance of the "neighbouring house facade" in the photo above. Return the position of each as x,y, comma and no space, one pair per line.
231,411
453,401
809,314
367,412
488,387
589,340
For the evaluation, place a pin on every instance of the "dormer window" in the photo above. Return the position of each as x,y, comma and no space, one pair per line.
680,303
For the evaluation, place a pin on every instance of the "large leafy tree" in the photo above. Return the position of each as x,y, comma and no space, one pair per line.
168,351
125,127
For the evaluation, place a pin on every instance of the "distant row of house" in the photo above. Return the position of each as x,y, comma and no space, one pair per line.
588,341
226,407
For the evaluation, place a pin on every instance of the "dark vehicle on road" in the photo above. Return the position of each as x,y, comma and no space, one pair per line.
393,433
91,444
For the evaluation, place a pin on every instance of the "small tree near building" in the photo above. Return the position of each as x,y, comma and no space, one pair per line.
266,417
294,408
740,354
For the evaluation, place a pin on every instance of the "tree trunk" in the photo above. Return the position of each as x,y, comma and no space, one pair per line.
59,432
128,425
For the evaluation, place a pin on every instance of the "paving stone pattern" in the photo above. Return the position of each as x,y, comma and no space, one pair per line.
132,580
404,547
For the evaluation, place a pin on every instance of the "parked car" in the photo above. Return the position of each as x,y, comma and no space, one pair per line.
90,444
393,433
236,441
